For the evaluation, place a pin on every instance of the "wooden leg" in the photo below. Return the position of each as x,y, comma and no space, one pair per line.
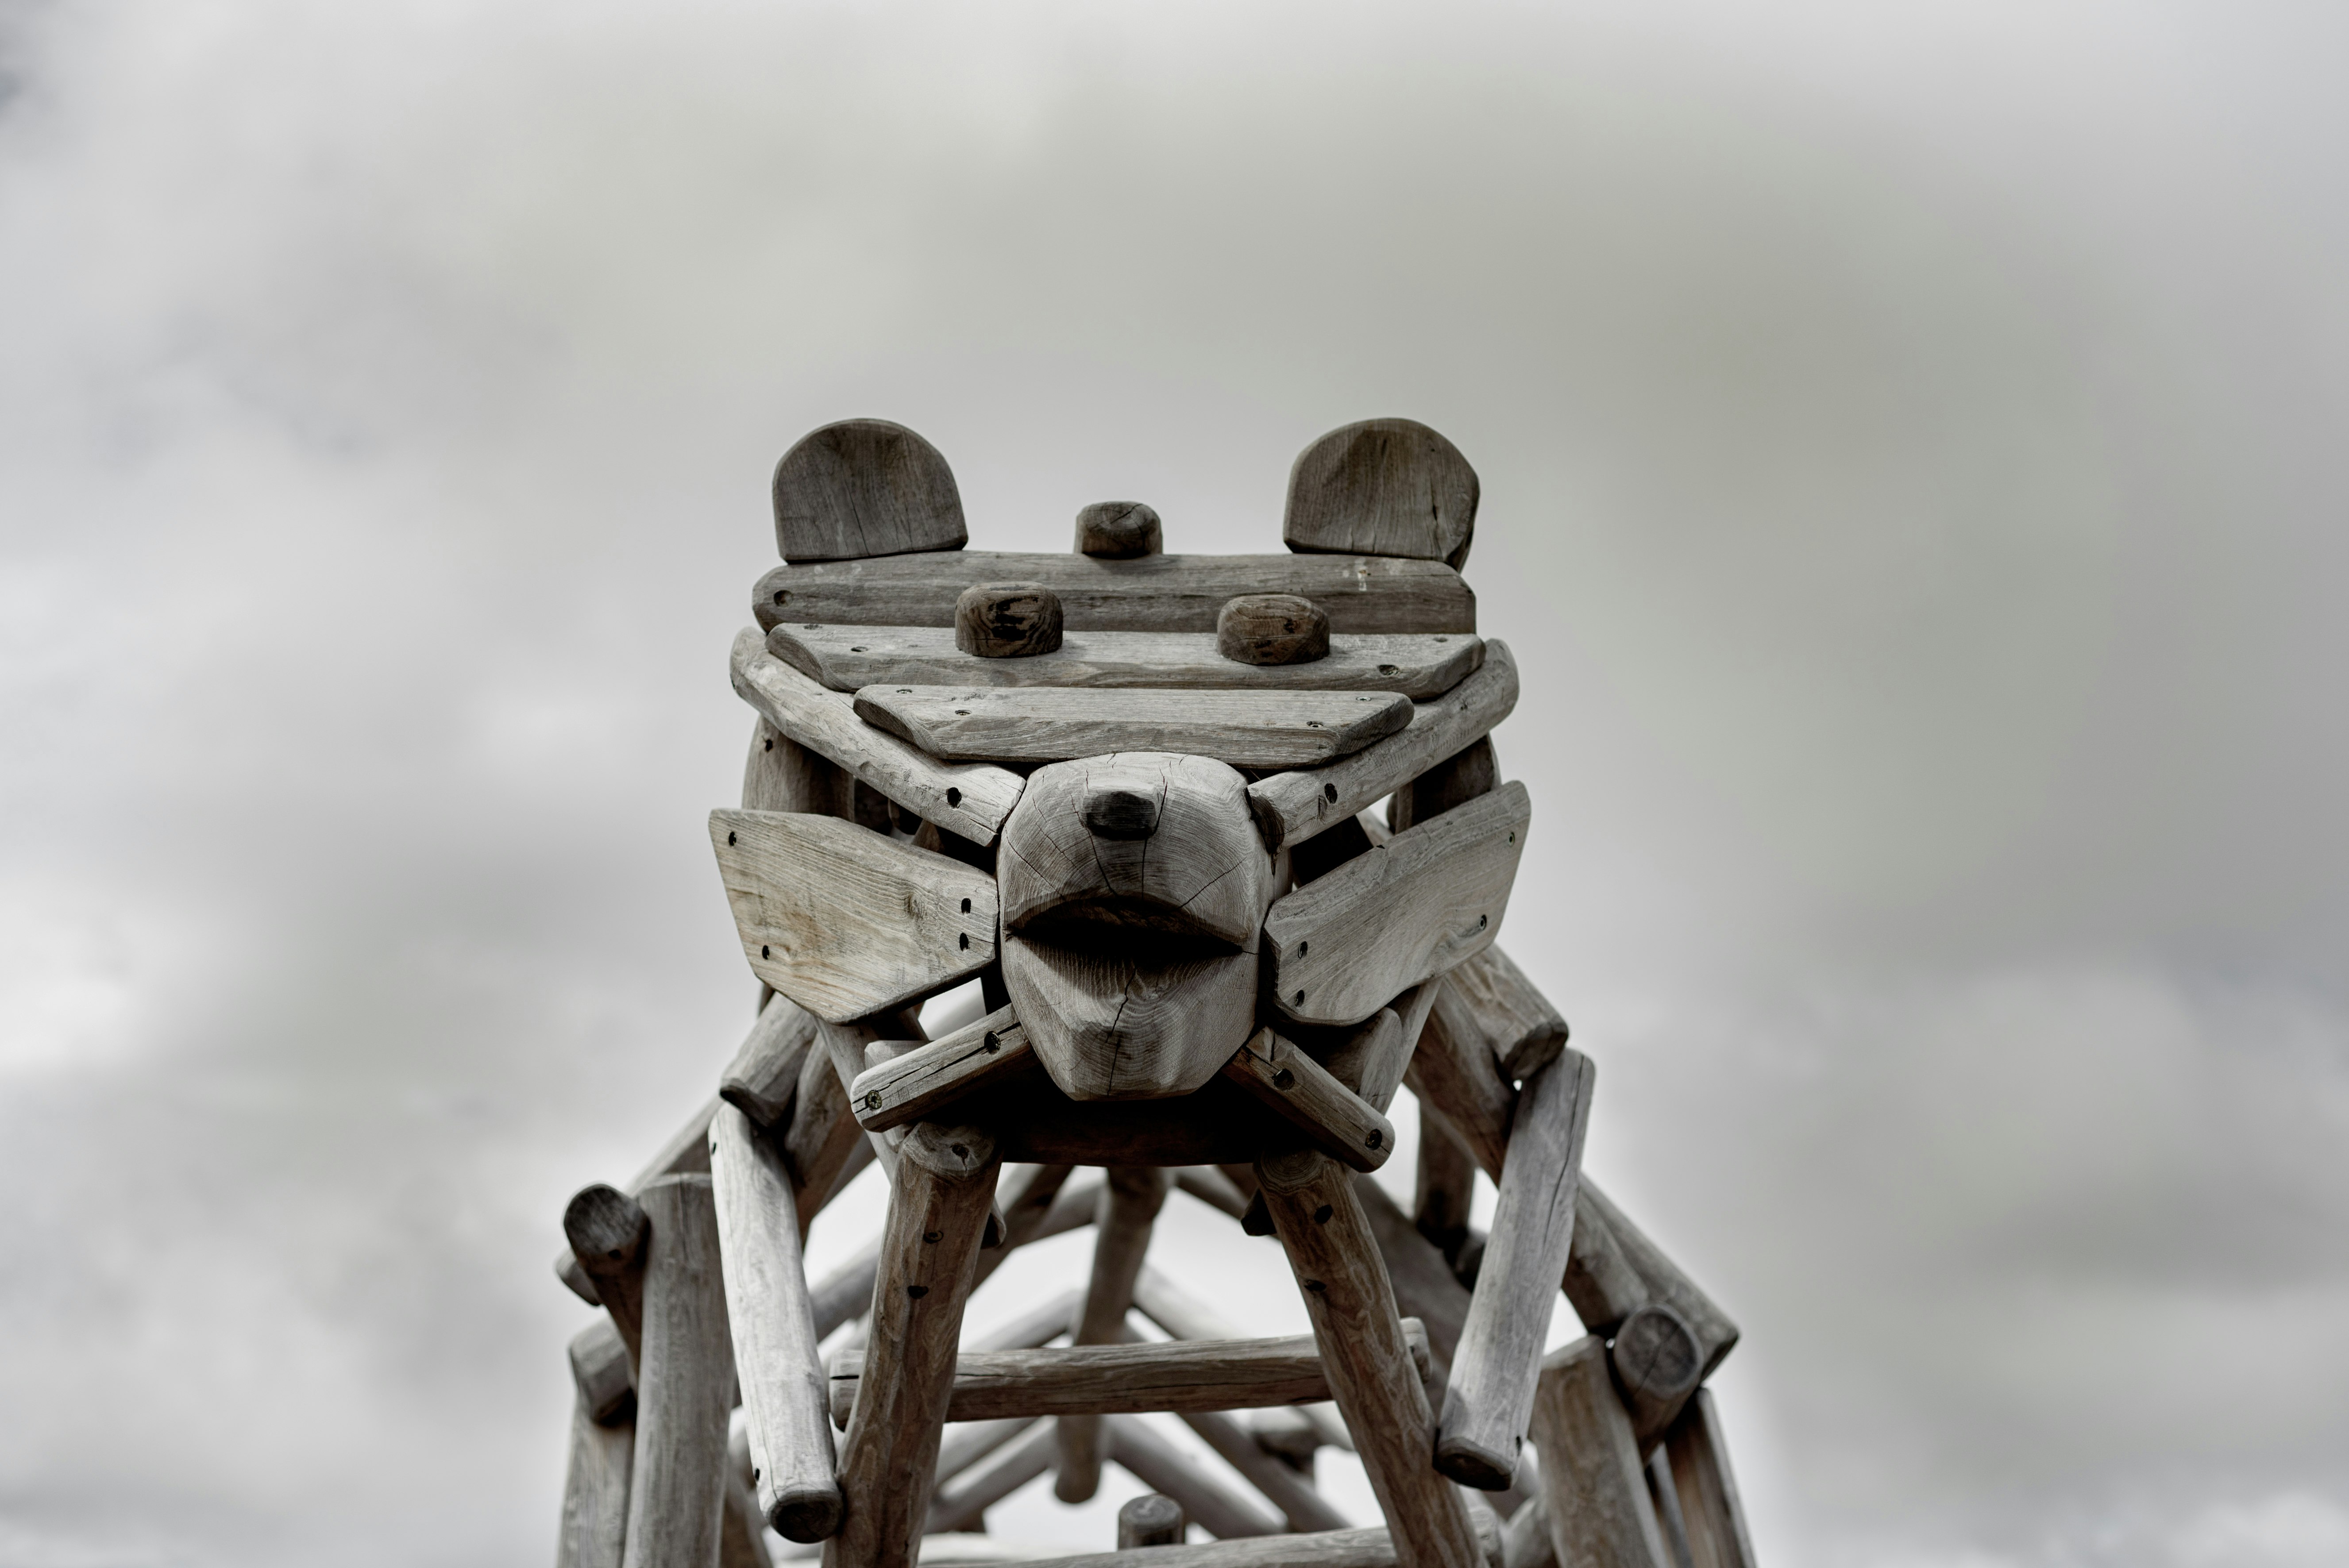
743,1540
1446,1187
939,1206
1708,1493
1669,1517
595,1491
1130,1205
1594,1491
685,1382
1347,1295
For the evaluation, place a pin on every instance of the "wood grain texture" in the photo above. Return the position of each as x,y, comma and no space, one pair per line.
1669,1286
1152,594
742,1533
688,1149
863,488
1454,782
1517,1022
1412,908
606,1230
1335,1258
773,1332
1657,1361
961,1503
1444,1192
1006,620
939,1206
1489,1399
967,1444
1028,1200
1383,487
764,1075
927,1079
822,1146
968,800
1246,729
594,1529
1153,1518
1593,1488
849,658
781,775
1369,1548
1272,629
1670,1521
1376,1058
1707,1489
1119,530
684,1383
844,921
1424,1284
602,1369
1455,1077
1122,1025
1181,1316
1220,1509
1286,1488
1132,1196
1292,807
1301,1091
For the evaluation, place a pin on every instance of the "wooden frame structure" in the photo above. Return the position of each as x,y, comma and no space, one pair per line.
1129,793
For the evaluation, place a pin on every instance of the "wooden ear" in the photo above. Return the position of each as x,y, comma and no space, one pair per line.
863,488
1383,487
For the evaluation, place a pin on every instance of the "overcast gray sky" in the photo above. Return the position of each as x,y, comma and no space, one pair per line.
1913,450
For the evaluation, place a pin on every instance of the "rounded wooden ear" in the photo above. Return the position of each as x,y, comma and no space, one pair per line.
1383,487
862,488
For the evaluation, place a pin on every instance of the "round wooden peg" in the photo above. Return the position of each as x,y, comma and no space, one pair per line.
1272,629
1150,1519
1008,620
1118,530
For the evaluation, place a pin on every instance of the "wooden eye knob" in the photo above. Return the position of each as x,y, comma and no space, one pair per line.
1008,620
1272,629
1118,530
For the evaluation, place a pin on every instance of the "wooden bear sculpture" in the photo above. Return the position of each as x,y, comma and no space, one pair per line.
1130,794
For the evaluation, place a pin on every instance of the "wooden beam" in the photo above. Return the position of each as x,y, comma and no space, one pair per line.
1593,1490
1383,487
602,1369
1181,1316
1058,724
1032,1207
1412,908
1129,1208
1369,1548
1152,594
1208,1184
960,1503
688,1149
1348,1297
1285,1488
968,800
844,921
1443,1196
864,488
685,1382
1657,1361
1474,771
1292,807
1424,1284
1220,1509
1707,1489
1515,1020
765,1072
1489,1399
1153,1518
1666,1285
1670,1521
823,1149
594,1529
917,1084
1301,1091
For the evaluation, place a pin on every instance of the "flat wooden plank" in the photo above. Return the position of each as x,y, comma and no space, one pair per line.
1151,593
1292,807
1408,909
846,923
1383,487
1060,724
926,1079
968,800
1592,1485
1302,1092
848,658
861,488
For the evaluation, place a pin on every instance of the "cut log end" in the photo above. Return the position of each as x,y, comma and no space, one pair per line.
1118,530
1008,620
1473,1465
1152,1519
807,1514
1272,629
605,1226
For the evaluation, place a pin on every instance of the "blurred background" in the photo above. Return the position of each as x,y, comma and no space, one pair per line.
1912,451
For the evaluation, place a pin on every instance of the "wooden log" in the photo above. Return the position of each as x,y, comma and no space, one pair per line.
1383,487
1152,1519
1036,1206
852,1047
1489,1398
1594,1493
1656,1360
1220,1510
1706,1488
849,658
1526,1543
774,1334
967,1444
1119,530
968,799
764,1075
1181,1316
1292,807
600,1367
1208,1184
1423,1285
742,1534
959,1505
1410,909
1272,629
1715,1335
1670,1521
1288,1435
1348,1297
1373,1061
1286,1487
1130,1200
1006,620
863,488
1369,1548
781,775
1455,1077
925,1081
1152,594
606,1229
939,1206
684,1383
1459,779
823,1149
1444,1195
688,1149
594,1527
1253,728
846,923
1302,1092
1516,1021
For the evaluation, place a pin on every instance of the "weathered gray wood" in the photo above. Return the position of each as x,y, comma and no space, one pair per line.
688,1149
1423,1285
1368,1548
823,1149
851,1047
1383,487
1454,782
1119,530
1153,1518
1152,594
1351,1303
1707,1489
606,1228
1671,1523
781,775
864,488
1036,1205
1181,1316
924,1081
774,1334
601,1368
1518,1023
967,1444
1208,1184
1246,729
1667,1284
958,1504
1131,1199
684,1383
1489,1398
844,921
1380,1054
1272,629
939,1206
1288,1435
765,1073
742,1536
1411,908
1455,1077
969,800
1006,620
1601,1284
1301,1091
849,658
1657,1361
1445,1193
1217,1509
594,1529
1292,807
1594,1494
1286,1488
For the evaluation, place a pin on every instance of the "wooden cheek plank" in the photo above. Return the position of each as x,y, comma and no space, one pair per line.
1058,724
1490,1397
684,1383
861,488
844,921
1406,910
1592,1485
1333,1119
1385,487
926,1080
1292,807
774,1336
968,800
1131,1200
1706,1488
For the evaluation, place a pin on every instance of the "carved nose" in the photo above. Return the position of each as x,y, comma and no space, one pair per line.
1121,814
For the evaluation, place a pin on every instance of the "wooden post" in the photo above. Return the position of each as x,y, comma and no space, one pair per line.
1445,1191
1331,1251
1153,1518
765,1073
595,1491
606,1228
1423,1285
1708,1491
938,1212
743,1540
1130,1205
1220,1510
685,1382
599,1365
1594,1491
